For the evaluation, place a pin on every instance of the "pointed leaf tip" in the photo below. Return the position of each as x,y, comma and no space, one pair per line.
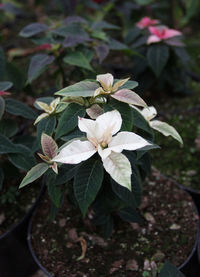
34,174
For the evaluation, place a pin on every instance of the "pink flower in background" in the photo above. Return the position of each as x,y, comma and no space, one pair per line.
161,33
44,46
146,22
4,93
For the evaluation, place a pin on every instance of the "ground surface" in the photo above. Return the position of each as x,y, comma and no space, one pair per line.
132,247
20,202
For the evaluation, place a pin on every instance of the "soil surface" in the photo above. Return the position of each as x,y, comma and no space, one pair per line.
15,203
133,250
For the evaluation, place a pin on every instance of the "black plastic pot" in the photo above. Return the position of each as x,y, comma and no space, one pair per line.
190,268
15,257
195,194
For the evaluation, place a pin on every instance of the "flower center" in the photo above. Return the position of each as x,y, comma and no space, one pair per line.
104,145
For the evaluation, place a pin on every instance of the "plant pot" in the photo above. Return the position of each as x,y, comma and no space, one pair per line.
195,194
14,253
190,267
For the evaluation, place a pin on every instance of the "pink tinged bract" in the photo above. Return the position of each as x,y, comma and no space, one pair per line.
169,33
94,111
153,39
4,93
146,21
161,33
129,96
49,146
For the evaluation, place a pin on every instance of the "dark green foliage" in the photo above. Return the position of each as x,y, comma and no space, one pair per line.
16,107
87,183
125,111
69,119
157,56
38,65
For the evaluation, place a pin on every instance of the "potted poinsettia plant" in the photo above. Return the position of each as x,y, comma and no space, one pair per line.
95,139
108,103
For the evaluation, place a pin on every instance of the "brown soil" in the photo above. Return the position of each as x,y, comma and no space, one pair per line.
20,202
131,249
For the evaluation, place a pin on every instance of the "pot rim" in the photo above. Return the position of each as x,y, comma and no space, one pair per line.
196,245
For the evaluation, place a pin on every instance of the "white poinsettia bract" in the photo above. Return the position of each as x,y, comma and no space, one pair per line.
100,138
164,128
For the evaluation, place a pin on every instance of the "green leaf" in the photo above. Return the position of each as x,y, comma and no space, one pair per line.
183,55
6,146
69,119
129,214
84,89
76,133
192,8
136,186
5,85
125,111
2,63
33,29
70,29
144,2
21,161
123,193
66,173
87,183
47,126
54,191
18,108
27,140
15,74
99,25
99,35
132,34
116,45
2,107
140,152
169,270
128,85
38,65
8,127
1,178
78,59
145,163
157,56
33,174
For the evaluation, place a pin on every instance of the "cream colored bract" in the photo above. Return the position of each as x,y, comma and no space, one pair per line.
49,109
100,134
